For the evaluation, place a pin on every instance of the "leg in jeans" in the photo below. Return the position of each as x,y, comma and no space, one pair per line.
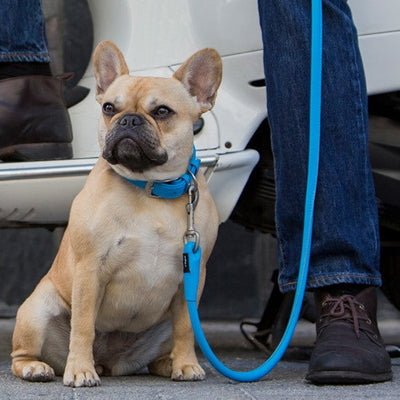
34,122
345,249
22,32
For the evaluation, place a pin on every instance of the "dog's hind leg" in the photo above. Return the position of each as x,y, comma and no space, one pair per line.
127,353
31,330
162,366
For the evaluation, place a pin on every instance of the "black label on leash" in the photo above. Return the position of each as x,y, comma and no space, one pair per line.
186,262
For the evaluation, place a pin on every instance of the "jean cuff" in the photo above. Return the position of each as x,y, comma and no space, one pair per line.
25,57
322,281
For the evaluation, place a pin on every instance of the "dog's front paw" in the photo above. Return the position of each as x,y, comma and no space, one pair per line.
34,371
75,376
188,372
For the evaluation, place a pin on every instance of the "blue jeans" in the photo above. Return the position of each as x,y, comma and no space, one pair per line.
345,246
22,32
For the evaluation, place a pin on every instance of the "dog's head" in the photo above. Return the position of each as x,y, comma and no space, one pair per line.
146,128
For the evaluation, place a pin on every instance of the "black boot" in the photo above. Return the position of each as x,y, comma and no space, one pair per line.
34,122
349,348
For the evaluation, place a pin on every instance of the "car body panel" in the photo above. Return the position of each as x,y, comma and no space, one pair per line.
156,37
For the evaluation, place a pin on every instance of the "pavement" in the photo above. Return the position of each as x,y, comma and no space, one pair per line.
285,381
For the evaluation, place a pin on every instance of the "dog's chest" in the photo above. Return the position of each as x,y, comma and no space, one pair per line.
142,265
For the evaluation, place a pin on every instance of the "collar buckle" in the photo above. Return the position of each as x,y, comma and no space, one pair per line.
170,189
149,189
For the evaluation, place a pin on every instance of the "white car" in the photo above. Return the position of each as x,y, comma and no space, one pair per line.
155,37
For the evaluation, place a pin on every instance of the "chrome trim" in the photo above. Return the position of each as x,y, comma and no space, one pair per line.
40,172
208,161
47,169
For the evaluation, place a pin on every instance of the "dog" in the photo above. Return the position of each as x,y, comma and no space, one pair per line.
112,303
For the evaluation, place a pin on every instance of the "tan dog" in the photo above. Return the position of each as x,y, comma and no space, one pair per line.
112,302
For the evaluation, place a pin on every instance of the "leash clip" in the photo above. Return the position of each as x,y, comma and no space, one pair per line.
191,235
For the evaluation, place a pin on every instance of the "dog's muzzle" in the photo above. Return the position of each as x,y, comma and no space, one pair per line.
133,143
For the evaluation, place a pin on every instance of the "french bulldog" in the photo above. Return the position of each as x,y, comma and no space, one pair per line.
112,303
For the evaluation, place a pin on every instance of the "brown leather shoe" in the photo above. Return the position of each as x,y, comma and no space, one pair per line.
349,348
34,122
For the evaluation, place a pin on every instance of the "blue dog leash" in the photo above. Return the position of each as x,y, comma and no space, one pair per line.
192,249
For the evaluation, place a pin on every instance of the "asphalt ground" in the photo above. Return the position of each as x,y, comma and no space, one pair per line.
285,381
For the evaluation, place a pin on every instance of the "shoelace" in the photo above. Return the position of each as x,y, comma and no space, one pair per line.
345,308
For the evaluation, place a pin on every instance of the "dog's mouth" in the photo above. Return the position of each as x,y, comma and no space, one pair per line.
134,152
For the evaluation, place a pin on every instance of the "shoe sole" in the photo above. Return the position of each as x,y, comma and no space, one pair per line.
346,377
36,152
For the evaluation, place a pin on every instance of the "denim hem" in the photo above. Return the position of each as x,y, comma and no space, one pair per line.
25,57
334,280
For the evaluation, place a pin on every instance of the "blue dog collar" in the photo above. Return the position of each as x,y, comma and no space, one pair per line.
170,189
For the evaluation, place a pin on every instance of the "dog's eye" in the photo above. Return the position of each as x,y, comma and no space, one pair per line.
108,109
162,112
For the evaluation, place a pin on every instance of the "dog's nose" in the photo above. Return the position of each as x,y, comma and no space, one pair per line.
131,120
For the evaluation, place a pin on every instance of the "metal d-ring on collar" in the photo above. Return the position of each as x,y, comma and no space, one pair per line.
191,235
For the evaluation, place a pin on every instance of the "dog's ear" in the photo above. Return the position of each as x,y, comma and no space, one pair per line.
108,64
201,75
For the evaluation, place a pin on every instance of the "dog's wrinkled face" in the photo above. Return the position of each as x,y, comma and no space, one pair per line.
146,129
134,138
